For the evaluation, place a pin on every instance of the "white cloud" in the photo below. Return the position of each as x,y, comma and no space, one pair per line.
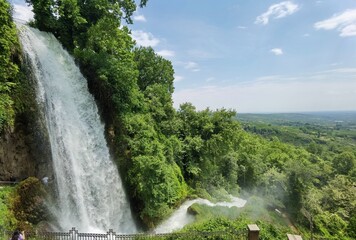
345,23
340,70
349,31
336,64
178,78
277,51
326,75
140,18
23,13
192,66
242,27
276,11
166,53
209,79
268,78
145,39
275,96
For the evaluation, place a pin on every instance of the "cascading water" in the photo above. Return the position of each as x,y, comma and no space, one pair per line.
182,217
90,191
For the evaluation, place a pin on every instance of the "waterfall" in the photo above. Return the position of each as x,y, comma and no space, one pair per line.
90,192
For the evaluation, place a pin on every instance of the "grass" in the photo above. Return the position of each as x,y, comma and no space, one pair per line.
7,219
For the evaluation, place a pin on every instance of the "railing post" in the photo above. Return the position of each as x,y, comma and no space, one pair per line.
111,234
253,232
294,237
73,233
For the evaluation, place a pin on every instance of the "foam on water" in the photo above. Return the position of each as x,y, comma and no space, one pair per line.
182,217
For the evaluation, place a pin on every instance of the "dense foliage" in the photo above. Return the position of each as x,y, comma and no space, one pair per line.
7,220
9,69
166,154
237,227
328,205
154,178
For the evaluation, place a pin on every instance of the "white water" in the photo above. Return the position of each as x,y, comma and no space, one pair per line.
90,192
182,217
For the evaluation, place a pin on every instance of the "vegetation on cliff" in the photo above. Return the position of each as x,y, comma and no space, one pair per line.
7,220
9,68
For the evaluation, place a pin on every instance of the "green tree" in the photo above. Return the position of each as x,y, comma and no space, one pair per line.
274,185
156,182
159,185
44,15
155,81
209,141
153,69
339,196
69,20
344,162
229,169
298,181
69,23
108,63
311,207
330,225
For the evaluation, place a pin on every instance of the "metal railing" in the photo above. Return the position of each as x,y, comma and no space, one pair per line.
8,183
73,234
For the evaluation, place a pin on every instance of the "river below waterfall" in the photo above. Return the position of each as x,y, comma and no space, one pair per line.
182,217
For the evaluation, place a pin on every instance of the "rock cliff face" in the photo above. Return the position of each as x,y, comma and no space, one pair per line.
25,149
25,152
16,162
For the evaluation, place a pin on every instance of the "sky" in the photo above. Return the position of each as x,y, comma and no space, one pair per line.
253,56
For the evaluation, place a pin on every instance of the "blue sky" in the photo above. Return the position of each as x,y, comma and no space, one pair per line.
255,56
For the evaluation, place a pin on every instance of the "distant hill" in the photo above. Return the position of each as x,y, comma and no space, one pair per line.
303,128
321,118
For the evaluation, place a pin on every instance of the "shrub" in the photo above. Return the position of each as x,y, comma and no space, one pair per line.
29,202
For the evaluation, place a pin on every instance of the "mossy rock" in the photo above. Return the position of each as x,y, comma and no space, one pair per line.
29,202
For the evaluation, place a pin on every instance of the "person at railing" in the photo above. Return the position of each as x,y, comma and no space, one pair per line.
17,235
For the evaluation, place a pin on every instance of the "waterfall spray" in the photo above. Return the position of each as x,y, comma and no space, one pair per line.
90,192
